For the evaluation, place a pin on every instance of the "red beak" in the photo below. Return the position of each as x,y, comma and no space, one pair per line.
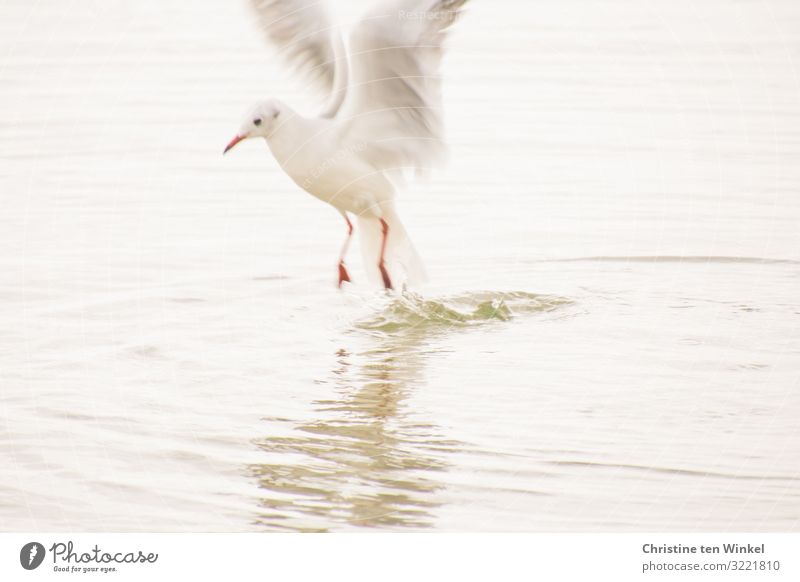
234,141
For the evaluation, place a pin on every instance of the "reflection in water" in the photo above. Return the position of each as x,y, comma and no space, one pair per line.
367,460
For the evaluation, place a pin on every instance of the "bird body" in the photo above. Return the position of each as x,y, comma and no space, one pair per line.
312,154
382,119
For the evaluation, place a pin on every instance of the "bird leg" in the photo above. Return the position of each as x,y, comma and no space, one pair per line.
387,282
343,274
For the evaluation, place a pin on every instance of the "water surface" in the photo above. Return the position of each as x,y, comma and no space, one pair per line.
609,340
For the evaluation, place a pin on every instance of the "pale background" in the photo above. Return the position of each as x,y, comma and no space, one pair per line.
174,354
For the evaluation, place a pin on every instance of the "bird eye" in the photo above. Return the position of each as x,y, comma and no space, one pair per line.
257,121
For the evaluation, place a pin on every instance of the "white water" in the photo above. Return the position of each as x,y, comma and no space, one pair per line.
610,340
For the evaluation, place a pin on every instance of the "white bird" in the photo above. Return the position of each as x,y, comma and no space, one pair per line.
382,117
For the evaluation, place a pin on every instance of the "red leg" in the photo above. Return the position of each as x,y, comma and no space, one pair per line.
387,282
343,274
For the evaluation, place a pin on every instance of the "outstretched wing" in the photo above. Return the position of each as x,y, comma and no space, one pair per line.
394,99
306,37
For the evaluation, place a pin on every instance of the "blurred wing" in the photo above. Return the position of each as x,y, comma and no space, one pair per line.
307,39
394,100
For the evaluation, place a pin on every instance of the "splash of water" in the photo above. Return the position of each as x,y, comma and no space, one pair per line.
412,311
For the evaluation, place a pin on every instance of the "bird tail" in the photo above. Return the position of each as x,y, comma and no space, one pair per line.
401,258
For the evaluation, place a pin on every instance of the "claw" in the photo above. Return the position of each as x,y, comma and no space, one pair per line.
387,282
343,274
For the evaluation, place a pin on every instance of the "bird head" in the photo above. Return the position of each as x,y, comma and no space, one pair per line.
261,121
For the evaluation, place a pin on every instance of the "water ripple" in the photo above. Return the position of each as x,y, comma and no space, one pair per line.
367,459
412,311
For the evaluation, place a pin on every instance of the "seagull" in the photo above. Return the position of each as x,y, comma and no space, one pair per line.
381,120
